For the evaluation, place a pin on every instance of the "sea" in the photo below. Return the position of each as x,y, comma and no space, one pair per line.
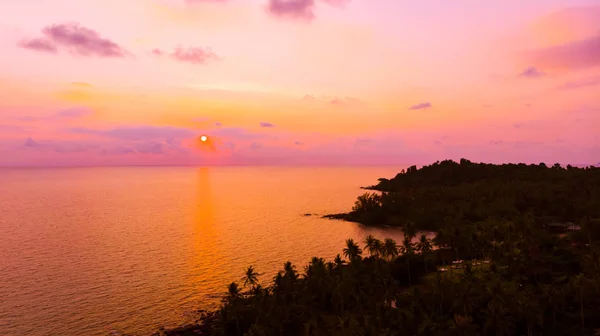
128,250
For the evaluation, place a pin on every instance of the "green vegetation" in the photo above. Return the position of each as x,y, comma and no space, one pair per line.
515,277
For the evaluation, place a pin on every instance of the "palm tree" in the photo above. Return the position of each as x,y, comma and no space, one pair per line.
390,248
372,245
233,291
407,251
338,260
424,247
250,277
289,271
352,250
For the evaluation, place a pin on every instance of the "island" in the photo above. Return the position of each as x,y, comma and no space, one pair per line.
516,252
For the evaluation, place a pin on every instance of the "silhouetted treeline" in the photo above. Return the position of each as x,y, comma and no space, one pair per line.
525,281
448,193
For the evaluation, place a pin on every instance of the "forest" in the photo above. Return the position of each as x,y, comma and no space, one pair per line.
493,268
448,194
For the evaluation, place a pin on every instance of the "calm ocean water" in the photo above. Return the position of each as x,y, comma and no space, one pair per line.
101,251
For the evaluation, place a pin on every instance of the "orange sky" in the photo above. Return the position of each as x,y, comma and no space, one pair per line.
320,82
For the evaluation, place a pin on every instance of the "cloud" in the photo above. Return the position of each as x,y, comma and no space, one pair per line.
139,132
298,143
192,2
343,101
579,54
75,112
531,72
420,106
68,113
333,100
30,143
82,85
195,55
298,9
295,9
266,124
39,44
200,120
76,39
593,81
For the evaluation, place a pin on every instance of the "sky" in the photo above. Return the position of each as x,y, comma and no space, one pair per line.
298,82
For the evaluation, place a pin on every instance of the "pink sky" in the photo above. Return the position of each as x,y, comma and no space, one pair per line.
115,82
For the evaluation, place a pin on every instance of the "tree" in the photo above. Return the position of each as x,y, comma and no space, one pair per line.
425,247
352,250
407,251
250,277
390,249
373,245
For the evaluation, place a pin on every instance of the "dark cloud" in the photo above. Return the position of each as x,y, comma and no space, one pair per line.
580,83
39,44
298,143
195,55
531,72
420,106
76,39
583,53
218,124
496,142
266,124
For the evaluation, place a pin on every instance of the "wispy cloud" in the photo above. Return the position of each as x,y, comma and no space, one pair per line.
420,106
139,132
531,72
63,114
583,53
298,9
266,124
76,39
585,82
39,44
295,9
194,55
30,143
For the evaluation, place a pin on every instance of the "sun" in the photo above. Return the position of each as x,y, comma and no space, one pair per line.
203,138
